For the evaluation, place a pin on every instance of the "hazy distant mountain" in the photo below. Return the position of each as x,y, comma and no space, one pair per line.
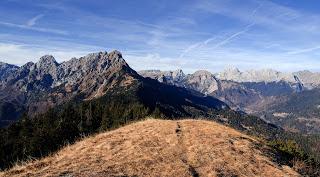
238,93
256,91
306,78
264,75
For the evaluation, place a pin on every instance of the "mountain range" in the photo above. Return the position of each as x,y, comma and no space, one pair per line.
45,105
307,78
35,87
258,92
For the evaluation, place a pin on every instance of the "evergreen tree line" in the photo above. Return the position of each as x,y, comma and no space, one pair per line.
41,135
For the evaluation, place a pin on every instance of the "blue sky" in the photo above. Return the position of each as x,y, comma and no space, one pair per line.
166,34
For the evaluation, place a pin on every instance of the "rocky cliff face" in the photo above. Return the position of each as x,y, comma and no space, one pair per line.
35,87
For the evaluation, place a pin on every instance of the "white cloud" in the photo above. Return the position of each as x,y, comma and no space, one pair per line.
20,54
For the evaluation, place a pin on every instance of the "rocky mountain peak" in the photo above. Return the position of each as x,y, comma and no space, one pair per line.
229,73
232,69
115,54
46,67
47,61
28,65
178,75
116,59
7,66
178,72
98,62
102,60
7,69
203,81
2,63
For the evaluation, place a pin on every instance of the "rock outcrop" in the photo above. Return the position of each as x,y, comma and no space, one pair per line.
35,87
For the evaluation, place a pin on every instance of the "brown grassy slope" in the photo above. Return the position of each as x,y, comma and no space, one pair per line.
160,148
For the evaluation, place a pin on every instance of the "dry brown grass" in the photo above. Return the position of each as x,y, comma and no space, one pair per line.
160,148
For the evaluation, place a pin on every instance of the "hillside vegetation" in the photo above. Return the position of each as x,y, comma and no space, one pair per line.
161,147
300,112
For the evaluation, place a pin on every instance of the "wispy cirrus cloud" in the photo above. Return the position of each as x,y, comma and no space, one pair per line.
225,40
242,31
271,15
305,50
38,29
191,47
33,20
